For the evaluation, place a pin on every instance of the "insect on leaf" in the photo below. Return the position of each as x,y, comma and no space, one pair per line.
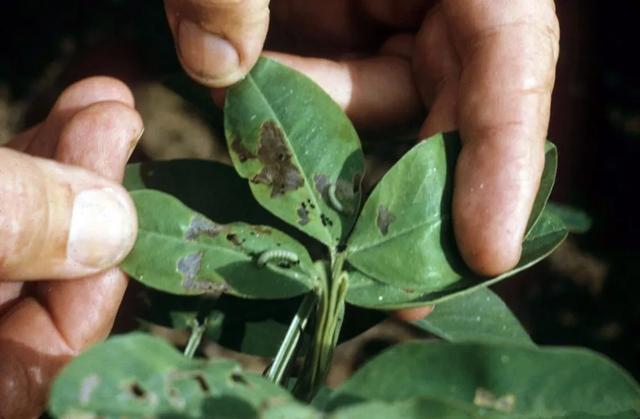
180,251
297,149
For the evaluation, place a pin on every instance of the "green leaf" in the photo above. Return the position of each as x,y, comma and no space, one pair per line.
477,317
546,183
576,220
516,380
182,252
295,146
142,376
404,236
208,187
364,291
417,408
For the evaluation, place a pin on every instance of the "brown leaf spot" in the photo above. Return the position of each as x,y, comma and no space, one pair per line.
261,229
277,169
201,226
189,266
237,378
234,239
202,383
303,214
243,153
137,391
385,218
326,221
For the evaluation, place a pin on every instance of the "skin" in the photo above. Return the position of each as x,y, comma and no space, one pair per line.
50,307
483,67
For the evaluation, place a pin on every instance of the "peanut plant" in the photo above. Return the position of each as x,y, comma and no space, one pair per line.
283,283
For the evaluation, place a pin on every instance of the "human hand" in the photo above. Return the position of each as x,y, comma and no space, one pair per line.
65,223
483,67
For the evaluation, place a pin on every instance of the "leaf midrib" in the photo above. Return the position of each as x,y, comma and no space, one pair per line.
431,222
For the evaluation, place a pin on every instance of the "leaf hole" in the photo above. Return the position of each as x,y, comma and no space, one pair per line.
237,378
204,386
137,391
234,239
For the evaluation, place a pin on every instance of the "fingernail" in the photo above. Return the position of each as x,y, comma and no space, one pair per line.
204,54
102,230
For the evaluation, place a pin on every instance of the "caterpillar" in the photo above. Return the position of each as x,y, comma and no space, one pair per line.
278,255
333,199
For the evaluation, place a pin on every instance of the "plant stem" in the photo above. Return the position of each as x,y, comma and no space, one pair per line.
327,328
284,357
197,331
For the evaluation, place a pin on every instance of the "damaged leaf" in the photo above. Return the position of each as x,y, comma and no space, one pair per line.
403,236
180,251
364,291
492,379
297,149
152,379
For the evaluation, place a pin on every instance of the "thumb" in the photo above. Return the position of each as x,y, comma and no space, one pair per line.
59,221
218,41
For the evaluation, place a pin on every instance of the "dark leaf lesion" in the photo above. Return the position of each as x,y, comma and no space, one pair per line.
278,170
189,266
241,151
201,226
384,219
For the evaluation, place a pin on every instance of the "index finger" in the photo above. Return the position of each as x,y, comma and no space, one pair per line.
218,41
508,50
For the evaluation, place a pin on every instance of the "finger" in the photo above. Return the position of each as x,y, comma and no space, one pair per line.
31,353
437,70
508,51
58,221
38,337
413,314
374,92
99,138
83,310
406,14
218,41
73,99
22,140
9,293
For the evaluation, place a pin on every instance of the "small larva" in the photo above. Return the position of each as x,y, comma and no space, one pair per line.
277,255
333,199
